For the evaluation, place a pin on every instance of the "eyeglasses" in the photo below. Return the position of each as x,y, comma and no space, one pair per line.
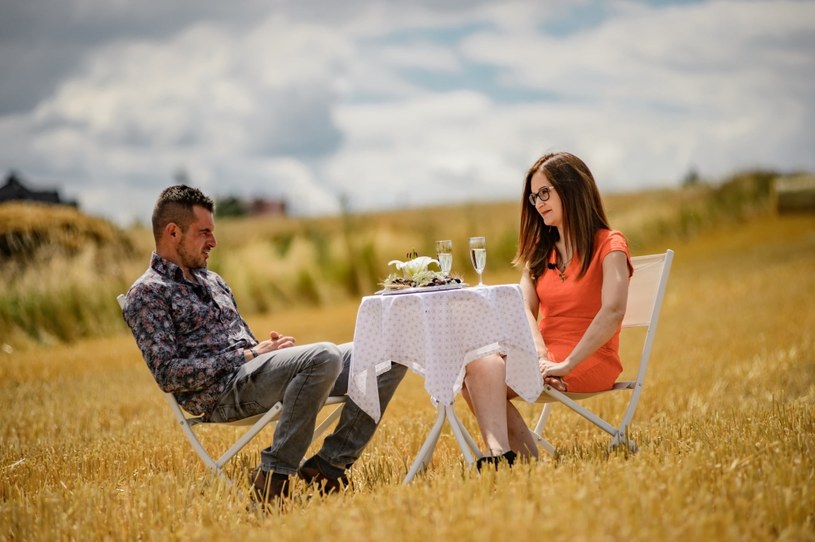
542,194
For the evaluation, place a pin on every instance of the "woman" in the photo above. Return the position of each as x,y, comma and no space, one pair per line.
575,277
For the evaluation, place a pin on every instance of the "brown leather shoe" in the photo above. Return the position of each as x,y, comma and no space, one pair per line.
268,486
328,478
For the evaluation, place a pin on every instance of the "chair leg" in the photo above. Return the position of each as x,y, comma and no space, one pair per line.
622,435
547,410
537,434
249,435
545,444
326,423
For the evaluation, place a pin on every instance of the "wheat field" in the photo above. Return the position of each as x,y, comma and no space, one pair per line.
725,428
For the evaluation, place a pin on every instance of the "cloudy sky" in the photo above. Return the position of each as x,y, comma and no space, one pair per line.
393,104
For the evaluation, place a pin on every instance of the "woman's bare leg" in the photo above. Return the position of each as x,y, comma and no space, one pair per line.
486,394
520,439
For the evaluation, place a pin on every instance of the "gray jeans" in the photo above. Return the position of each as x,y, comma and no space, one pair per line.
302,378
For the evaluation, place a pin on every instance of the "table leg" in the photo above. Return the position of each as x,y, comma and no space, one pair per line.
426,451
463,439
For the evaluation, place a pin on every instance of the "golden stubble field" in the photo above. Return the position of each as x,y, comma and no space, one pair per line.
725,428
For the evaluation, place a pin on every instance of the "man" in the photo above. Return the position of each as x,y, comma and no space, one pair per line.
198,347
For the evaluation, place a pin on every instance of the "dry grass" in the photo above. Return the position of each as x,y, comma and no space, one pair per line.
60,269
725,427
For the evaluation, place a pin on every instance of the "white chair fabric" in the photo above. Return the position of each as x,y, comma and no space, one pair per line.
646,293
255,423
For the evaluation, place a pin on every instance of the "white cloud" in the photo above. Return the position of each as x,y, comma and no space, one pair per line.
457,146
228,108
421,55
424,104
668,88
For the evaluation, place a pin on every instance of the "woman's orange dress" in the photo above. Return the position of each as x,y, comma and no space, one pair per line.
567,307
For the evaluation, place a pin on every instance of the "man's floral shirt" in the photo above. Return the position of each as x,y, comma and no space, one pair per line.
191,335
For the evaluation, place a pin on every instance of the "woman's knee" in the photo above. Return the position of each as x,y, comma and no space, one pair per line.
483,366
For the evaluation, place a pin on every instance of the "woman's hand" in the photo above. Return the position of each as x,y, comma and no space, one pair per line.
554,368
553,371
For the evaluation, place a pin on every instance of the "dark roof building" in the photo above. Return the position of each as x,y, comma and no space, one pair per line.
267,207
14,190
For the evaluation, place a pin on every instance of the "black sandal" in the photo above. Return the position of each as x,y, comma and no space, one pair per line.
495,460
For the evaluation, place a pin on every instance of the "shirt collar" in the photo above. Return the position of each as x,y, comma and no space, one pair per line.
168,269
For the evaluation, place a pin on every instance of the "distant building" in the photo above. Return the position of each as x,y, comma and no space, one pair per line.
795,194
267,207
14,190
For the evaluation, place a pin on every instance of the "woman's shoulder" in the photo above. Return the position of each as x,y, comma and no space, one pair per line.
608,241
610,237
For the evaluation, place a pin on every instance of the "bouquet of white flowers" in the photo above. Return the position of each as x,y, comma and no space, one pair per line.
415,273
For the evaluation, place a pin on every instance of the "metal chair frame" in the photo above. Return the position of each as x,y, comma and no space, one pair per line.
256,423
646,293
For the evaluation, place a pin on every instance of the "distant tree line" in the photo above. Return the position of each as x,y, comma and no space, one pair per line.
231,206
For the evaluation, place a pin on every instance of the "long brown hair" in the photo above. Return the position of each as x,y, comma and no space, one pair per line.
583,214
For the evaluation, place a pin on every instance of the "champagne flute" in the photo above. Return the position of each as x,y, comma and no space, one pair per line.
478,256
444,252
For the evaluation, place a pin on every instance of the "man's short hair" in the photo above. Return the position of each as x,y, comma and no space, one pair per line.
175,205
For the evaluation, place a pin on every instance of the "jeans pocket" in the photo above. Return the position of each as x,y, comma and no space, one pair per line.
239,411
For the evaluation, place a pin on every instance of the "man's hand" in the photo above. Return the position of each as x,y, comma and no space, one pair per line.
278,341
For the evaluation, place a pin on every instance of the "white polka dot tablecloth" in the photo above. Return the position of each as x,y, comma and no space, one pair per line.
436,334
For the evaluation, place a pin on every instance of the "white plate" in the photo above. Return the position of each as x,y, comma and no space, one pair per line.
423,289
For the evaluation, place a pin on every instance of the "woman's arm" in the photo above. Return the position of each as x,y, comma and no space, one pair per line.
532,305
608,319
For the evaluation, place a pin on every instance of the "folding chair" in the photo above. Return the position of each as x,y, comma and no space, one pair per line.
645,295
255,423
